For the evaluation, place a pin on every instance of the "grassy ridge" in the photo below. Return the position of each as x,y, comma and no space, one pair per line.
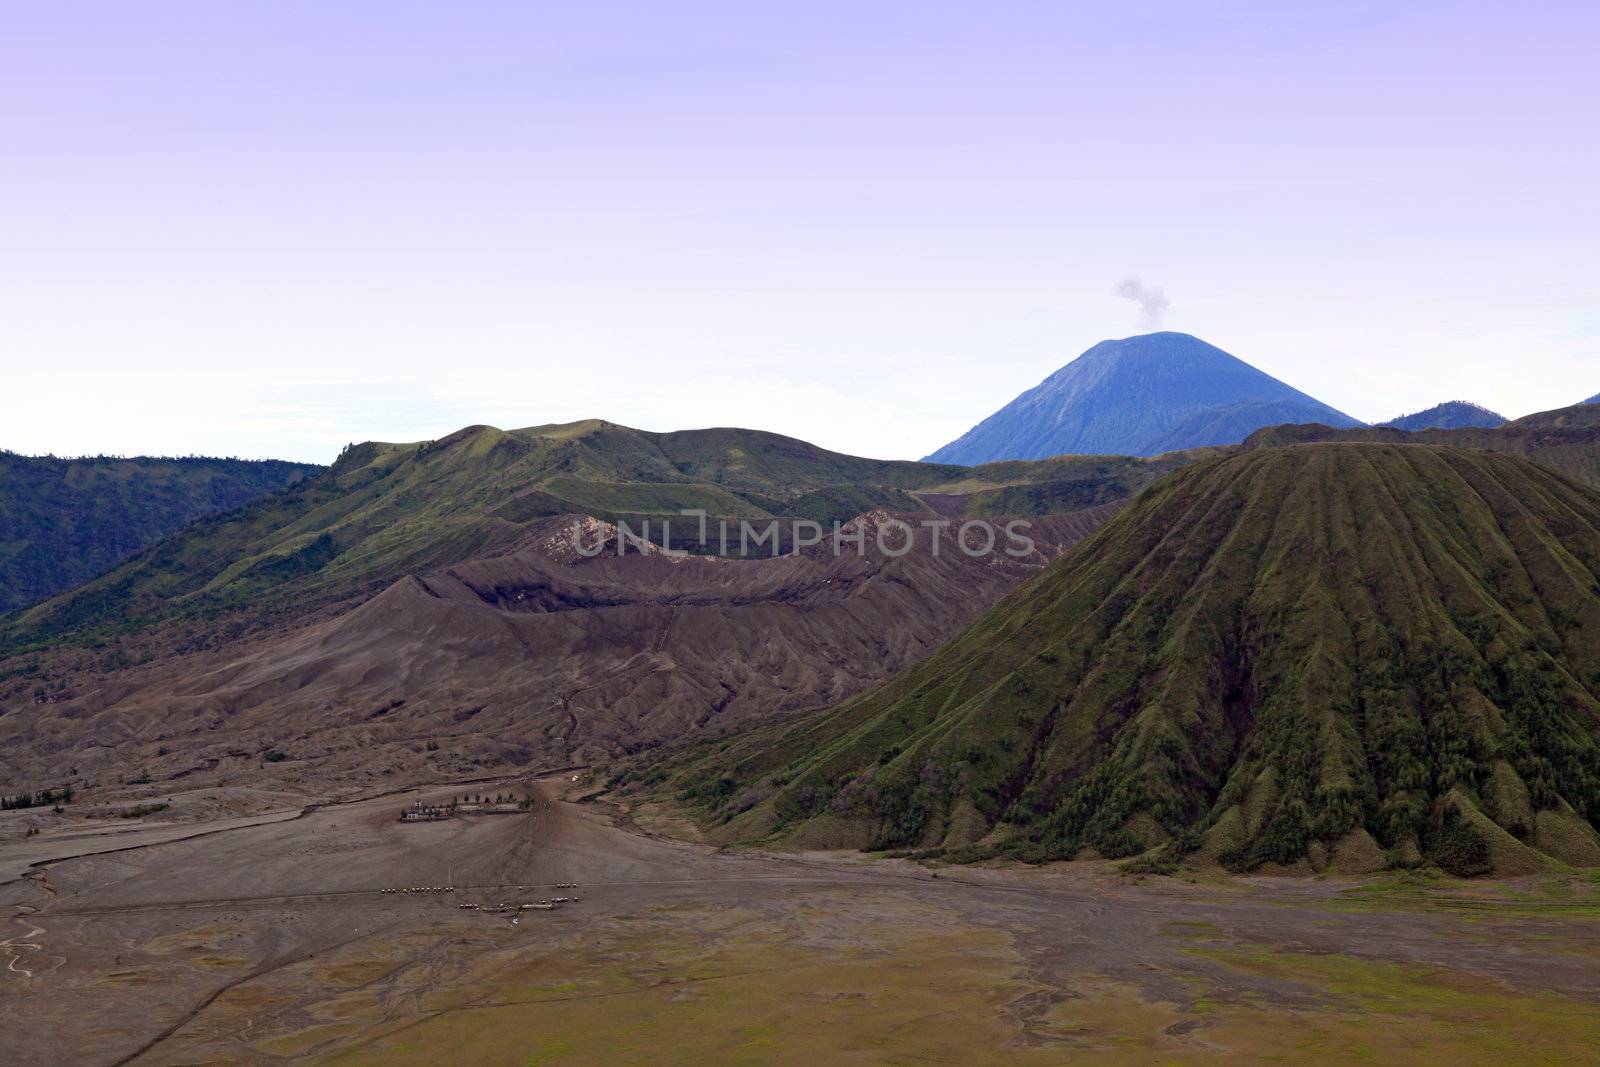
1565,440
1278,655
385,510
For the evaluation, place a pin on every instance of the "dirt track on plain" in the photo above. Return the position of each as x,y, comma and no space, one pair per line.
276,942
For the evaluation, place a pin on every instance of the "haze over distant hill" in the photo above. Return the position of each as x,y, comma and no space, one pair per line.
1450,415
1593,399
1329,654
1139,396
63,521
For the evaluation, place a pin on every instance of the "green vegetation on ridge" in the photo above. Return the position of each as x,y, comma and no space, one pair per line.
1351,653
1565,440
385,510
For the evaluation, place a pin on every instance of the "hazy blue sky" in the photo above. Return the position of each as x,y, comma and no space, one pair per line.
270,229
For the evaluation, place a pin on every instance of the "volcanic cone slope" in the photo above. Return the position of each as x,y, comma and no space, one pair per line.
1345,654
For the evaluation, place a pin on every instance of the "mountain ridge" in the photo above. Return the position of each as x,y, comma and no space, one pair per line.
1450,415
1236,668
385,509
1566,440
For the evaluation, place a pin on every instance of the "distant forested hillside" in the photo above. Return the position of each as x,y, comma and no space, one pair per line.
63,521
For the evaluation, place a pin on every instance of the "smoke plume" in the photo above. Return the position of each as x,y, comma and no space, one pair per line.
1153,303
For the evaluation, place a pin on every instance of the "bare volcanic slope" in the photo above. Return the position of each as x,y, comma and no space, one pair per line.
543,656
1344,654
384,511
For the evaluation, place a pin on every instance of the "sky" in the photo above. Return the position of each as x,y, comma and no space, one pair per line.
271,229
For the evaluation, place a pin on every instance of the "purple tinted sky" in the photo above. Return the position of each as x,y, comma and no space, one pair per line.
271,229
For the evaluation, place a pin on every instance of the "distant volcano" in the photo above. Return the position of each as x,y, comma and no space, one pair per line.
1140,396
